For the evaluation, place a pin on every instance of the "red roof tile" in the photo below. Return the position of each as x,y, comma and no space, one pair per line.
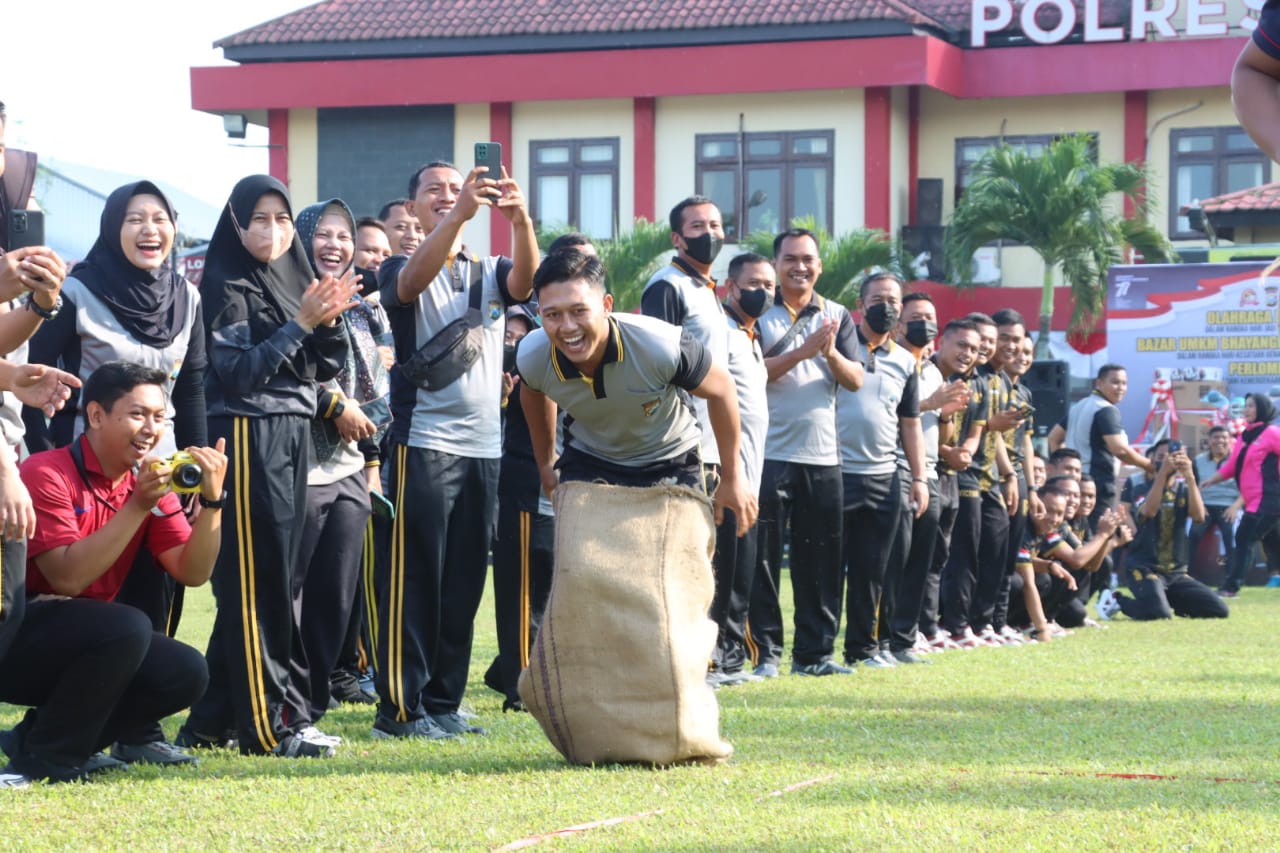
1265,197
377,20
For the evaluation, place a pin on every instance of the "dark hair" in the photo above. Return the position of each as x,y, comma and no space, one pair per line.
571,240
387,208
417,176
1055,485
569,266
114,379
979,319
917,296
1009,317
740,261
1065,453
876,276
964,324
1107,369
1086,478
1219,428
370,222
792,232
1151,451
676,219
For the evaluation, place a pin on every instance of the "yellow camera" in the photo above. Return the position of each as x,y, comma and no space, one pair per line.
187,474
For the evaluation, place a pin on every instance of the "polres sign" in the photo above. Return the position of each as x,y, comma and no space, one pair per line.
1203,18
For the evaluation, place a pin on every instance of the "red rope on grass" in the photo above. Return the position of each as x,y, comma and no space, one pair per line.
1153,777
531,840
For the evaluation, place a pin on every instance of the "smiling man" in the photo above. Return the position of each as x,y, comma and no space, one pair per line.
94,514
445,445
623,382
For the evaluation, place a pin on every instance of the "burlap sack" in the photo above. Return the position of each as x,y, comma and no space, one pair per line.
618,671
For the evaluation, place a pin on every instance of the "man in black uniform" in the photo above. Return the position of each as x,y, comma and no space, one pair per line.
1156,562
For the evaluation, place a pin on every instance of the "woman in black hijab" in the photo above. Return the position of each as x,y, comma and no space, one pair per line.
273,337
126,302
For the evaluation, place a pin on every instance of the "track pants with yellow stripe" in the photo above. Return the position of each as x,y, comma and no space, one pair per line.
438,559
522,565
255,631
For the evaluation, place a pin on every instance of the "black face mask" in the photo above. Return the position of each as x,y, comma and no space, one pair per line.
881,317
509,358
753,302
704,247
920,333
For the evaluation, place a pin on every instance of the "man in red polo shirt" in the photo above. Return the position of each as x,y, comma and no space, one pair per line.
93,514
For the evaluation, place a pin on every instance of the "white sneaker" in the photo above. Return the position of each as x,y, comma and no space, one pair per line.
12,779
988,637
1012,637
313,735
941,641
1107,605
967,640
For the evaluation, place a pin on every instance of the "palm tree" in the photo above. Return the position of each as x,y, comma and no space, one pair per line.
630,259
845,259
1062,204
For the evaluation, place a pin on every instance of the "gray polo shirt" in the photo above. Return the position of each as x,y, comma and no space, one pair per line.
462,419
1224,493
867,419
678,294
746,365
635,410
802,403
929,379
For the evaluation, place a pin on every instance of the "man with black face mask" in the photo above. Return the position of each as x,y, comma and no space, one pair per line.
751,284
873,422
684,294
917,329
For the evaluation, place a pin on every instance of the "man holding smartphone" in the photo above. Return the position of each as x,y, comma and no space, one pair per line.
446,446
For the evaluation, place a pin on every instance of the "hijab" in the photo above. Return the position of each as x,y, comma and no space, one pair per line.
309,218
151,305
1266,412
228,268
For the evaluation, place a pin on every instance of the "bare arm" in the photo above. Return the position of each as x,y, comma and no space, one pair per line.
1255,95
913,448
192,563
1057,437
540,415
1121,450
718,390
426,262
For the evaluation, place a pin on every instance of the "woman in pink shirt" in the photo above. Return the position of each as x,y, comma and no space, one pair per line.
1255,464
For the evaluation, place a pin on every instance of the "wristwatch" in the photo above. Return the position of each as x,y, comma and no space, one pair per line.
208,504
41,312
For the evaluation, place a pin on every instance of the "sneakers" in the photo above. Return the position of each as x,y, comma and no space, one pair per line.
942,641
516,705
988,637
189,738
826,667
352,694
877,662
293,746
967,639
1012,637
1107,605
719,678
10,778
423,727
1228,593
766,670
908,656
313,735
157,752
456,724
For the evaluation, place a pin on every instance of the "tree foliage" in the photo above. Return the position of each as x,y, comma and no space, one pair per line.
1066,207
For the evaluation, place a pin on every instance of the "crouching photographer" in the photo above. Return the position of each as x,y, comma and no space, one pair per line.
93,671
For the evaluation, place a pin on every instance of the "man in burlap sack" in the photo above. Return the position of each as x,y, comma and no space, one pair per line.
618,669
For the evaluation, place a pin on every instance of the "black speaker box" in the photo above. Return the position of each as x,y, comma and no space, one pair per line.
1050,384
928,201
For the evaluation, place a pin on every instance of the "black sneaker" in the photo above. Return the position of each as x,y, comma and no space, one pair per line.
454,723
908,656
292,746
423,727
189,738
157,752
826,667
100,762
516,705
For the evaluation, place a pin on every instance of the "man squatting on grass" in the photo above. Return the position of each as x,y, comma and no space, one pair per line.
94,671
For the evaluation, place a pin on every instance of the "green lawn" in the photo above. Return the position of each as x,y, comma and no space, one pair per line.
993,749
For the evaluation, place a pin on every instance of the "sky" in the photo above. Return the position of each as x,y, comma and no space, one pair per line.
107,83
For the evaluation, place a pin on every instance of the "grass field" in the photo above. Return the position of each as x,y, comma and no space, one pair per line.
1025,748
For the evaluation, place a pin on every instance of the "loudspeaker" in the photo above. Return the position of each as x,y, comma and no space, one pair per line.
928,201
1050,384
923,246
